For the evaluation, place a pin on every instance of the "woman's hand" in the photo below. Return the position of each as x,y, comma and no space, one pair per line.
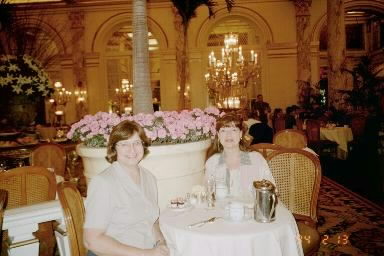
160,250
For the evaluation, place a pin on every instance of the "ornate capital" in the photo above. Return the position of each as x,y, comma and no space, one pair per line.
77,19
302,7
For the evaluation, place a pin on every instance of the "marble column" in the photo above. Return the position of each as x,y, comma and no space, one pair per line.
303,38
78,58
336,47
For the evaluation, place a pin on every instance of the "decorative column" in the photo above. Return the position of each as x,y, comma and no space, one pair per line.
303,38
336,47
182,63
78,58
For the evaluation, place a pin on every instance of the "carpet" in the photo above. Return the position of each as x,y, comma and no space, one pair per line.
348,223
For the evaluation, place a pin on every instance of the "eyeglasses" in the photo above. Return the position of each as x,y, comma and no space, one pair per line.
126,144
229,129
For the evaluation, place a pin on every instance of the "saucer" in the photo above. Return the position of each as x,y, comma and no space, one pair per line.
185,207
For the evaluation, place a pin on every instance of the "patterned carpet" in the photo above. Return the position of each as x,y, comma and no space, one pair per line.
348,223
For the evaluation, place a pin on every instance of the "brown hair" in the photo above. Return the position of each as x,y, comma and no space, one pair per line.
123,131
228,120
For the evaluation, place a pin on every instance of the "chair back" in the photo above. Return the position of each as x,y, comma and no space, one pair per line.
358,126
265,148
313,130
50,155
73,209
279,124
28,185
297,174
3,203
290,138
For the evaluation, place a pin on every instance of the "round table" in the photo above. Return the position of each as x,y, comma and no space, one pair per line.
341,135
226,238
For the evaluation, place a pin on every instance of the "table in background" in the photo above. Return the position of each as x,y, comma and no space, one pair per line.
225,238
340,135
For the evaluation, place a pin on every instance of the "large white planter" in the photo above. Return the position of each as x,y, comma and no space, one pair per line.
176,167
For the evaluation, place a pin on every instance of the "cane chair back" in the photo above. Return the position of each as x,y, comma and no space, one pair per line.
297,174
290,138
50,155
73,209
28,185
265,148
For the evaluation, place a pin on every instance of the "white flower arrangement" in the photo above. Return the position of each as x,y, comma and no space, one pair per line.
23,75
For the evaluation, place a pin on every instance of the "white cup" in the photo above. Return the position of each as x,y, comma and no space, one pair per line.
236,211
221,191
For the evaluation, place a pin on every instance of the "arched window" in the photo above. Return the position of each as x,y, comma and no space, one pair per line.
118,51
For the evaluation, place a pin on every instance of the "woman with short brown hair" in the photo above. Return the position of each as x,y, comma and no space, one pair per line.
121,206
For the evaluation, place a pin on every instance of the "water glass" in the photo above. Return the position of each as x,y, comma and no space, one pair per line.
211,188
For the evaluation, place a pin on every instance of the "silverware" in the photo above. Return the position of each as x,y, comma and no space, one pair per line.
201,223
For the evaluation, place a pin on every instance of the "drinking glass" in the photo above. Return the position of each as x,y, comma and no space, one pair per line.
211,188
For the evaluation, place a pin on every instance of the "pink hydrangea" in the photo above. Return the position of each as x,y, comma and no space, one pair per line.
162,127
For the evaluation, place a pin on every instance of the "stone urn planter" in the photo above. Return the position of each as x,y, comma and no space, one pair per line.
176,167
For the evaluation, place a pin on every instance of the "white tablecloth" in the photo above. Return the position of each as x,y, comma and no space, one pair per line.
225,238
340,135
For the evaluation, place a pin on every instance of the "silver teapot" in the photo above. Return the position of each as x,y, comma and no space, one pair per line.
265,201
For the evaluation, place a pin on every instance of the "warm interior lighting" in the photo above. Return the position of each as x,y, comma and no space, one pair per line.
228,76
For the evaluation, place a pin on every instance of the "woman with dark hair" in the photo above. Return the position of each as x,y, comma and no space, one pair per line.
231,163
121,207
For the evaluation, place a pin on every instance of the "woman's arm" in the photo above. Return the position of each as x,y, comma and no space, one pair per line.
158,234
101,244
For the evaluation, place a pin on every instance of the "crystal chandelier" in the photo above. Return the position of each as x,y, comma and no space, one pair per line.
124,97
227,78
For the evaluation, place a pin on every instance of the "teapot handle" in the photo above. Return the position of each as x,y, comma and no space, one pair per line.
273,206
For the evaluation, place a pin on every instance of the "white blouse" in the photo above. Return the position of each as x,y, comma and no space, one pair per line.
126,211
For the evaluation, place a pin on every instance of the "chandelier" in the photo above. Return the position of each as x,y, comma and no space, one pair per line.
123,97
227,78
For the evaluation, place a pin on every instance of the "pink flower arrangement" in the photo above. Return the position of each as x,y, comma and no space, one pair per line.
162,127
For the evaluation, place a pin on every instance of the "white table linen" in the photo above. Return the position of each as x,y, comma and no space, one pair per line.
340,135
225,238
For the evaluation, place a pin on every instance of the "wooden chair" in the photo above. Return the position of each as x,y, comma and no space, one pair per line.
3,203
290,138
297,174
74,214
30,185
321,147
50,155
265,148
